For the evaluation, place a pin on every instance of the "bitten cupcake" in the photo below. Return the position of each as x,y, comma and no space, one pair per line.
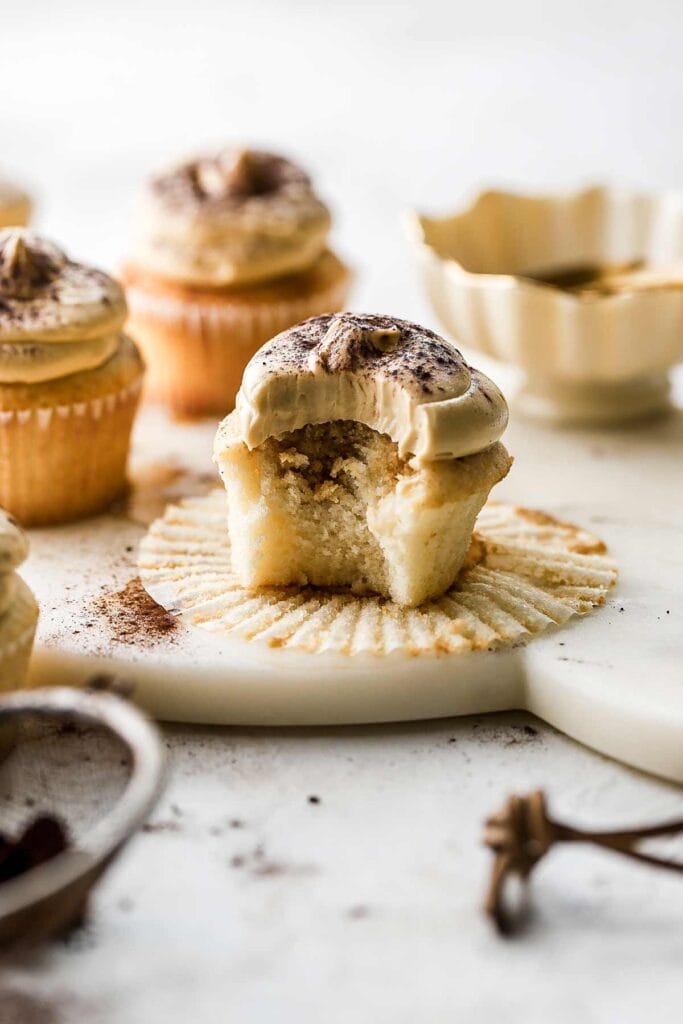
359,454
15,206
18,607
69,383
230,249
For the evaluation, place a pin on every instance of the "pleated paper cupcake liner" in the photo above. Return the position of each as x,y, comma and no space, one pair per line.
534,573
196,347
65,461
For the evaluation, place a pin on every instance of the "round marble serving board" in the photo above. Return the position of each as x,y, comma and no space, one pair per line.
611,679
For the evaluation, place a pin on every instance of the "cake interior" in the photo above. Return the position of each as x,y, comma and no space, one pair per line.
323,479
334,505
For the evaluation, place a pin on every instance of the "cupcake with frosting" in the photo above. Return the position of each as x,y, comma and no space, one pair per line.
359,454
18,607
15,206
230,249
69,383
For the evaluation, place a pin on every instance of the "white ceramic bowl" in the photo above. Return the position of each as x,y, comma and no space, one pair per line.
597,357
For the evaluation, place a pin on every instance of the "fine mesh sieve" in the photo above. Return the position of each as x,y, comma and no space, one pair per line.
90,762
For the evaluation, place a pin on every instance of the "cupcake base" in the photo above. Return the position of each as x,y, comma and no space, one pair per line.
64,443
196,342
530,573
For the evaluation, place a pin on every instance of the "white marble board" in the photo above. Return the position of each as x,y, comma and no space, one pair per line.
611,679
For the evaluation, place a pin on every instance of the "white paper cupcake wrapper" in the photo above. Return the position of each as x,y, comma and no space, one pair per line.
65,461
95,407
259,317
536,573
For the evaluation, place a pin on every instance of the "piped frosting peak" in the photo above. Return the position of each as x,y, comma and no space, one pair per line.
46,297
234,217
231,178
395,376
27,263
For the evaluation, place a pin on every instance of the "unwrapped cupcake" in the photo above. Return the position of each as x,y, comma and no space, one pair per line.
18,608
229,250
359,454
69,383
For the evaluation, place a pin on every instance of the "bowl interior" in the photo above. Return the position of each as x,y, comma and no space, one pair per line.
66,770
505,233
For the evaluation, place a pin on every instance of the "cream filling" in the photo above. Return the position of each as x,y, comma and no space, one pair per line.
273,405
31,362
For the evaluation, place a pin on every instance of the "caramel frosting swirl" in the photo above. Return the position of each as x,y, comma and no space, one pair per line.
396,377
57,317
236,217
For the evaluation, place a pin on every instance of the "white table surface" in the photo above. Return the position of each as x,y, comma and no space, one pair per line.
364,907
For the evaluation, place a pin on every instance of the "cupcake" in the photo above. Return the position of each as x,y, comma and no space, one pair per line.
18,608
15,206
231,249
359,454
69,383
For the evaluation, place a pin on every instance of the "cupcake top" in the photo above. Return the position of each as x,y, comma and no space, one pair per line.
56,316
396,377
15,205
235,217
13,543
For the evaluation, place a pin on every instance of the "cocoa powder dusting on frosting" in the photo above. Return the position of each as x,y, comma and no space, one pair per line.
45,296
413,356
230,178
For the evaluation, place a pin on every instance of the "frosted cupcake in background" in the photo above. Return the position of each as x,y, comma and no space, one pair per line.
229,250
69,383
15,206
18,608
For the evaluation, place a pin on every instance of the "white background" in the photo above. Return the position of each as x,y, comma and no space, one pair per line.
389,106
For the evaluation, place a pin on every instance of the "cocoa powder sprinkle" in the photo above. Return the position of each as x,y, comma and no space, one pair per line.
134,617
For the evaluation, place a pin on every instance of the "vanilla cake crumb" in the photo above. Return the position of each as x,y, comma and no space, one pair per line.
333,504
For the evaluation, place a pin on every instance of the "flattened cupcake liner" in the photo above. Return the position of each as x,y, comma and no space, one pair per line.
17,629
530,573
196,346
65,461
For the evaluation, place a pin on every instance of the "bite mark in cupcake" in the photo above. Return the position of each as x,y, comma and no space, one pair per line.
359,454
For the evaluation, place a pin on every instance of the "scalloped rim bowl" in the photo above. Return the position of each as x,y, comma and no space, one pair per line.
583,358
